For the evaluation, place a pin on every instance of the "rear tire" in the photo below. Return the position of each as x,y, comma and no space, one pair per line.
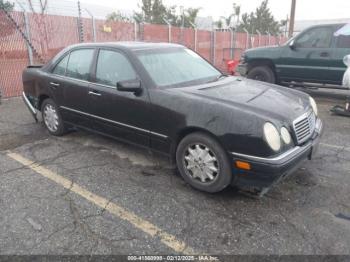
203,163
262,73
52,118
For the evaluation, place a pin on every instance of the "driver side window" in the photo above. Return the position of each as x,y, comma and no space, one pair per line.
113,67
320,37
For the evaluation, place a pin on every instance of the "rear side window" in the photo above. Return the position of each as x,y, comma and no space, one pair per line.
320,37
60,68
79,64
113,67
343,41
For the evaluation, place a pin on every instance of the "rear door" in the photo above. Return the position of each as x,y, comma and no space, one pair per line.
308,60
56,80
75,106
120,114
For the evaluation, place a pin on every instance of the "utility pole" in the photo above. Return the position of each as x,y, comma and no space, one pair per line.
292,18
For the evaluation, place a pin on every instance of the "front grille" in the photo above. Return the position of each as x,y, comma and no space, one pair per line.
304,127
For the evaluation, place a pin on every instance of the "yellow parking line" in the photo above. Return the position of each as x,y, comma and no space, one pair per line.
169,240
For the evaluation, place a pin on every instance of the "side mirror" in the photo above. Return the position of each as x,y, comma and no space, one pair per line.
292,45
133,86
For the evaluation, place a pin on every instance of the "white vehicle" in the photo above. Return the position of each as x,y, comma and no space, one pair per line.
346,78
339,110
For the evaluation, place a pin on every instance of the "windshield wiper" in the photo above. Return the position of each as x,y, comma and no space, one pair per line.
218,78
221,76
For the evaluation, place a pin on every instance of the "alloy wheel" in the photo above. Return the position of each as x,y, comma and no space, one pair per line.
51,118
201,163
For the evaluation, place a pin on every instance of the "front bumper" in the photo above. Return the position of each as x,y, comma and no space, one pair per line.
242,69
30,107
266,172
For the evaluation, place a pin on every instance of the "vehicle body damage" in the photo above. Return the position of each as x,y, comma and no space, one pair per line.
220,130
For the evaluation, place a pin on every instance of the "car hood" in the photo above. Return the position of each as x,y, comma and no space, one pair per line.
271,52
259,97
267,48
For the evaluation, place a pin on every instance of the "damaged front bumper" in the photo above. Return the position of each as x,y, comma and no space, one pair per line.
30,107
266,172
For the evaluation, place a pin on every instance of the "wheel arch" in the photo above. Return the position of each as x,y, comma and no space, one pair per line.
185,132
41,99
262,62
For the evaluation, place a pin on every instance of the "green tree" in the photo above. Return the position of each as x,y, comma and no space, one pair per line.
229,21
170,15
190,16
118,17
219,24
5,5
154,12
261,20
186,18
236,12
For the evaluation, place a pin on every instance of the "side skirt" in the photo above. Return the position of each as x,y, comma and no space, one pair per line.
167,154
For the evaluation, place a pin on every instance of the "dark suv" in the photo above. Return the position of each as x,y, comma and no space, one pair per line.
315,56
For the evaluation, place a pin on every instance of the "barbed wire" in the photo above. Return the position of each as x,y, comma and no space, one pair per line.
69,8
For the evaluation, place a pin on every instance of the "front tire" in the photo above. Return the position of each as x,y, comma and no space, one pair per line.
52,118
203,163
262,73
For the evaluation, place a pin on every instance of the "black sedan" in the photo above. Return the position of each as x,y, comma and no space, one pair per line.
219,129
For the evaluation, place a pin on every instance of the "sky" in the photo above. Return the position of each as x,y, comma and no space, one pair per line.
306,9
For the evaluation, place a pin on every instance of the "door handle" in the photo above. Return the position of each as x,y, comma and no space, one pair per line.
54,84
94,93
324,54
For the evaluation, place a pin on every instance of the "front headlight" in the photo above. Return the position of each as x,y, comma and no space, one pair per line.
272,136
313,105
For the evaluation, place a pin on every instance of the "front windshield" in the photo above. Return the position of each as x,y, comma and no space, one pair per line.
177,67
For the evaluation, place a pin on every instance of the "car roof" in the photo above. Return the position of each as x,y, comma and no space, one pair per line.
132,46
338,25
123,45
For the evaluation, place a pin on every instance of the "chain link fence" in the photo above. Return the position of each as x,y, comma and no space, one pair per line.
31,38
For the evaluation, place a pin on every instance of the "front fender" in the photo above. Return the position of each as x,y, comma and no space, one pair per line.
236,130
266,55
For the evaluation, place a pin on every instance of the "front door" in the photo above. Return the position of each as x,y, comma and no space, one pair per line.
120,114
308,59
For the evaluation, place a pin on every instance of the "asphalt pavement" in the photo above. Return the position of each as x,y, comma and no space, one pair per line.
84,194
